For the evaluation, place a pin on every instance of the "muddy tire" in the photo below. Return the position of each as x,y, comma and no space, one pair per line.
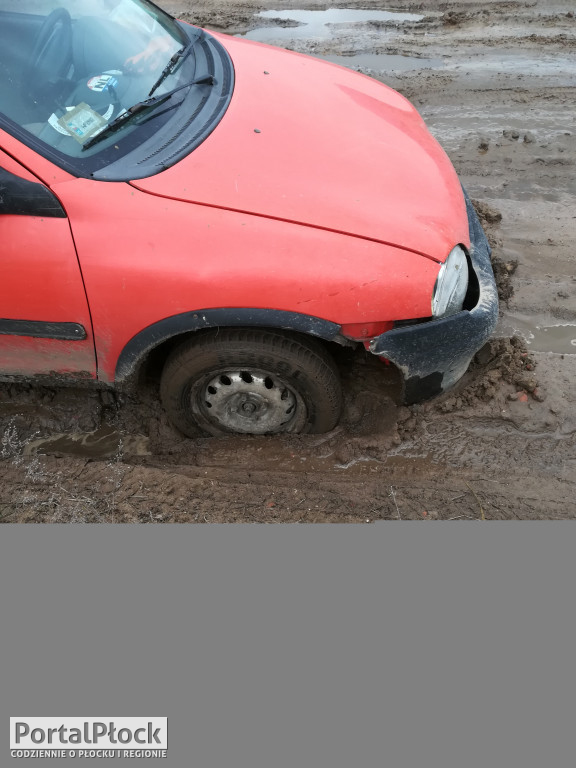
251,382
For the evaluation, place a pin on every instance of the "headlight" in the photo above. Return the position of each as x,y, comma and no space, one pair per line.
451,284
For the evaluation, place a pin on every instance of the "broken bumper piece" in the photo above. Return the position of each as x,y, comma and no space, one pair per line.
434,355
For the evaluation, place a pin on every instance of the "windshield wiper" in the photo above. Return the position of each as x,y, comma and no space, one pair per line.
142,106
179,56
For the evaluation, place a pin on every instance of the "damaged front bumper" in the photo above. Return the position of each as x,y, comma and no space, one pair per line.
434,355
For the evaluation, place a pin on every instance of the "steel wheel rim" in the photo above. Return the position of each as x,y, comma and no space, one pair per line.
249,402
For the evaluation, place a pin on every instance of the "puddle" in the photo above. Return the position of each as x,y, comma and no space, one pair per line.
563,67
382,62
452,125
360,460
318,24
324,25
102,444
541,336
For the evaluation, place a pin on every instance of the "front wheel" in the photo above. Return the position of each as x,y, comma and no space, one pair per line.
251,382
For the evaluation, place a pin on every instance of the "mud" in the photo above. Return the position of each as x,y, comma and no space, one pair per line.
495,83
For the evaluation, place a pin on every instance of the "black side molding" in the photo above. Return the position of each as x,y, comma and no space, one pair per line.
20,197
40,329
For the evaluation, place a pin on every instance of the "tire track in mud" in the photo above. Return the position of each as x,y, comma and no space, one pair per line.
67,490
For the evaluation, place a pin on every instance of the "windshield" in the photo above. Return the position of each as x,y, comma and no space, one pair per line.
68,68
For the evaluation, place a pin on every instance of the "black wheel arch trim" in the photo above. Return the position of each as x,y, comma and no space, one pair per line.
144,342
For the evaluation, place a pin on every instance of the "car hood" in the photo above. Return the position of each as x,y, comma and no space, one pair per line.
319,145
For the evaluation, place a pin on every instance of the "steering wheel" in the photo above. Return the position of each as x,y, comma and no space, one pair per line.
52,52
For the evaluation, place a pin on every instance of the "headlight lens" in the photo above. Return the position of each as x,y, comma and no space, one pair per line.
451,284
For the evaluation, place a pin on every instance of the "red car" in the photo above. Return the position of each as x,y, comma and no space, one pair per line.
232,210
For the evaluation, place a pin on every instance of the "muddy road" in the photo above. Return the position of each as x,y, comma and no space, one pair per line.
495,82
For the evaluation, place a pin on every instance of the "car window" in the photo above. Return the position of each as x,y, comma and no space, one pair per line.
68,68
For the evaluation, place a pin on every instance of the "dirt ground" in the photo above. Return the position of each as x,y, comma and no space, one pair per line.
495,82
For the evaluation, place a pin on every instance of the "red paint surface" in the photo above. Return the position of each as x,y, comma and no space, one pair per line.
157,257
340,208
41,280
336,150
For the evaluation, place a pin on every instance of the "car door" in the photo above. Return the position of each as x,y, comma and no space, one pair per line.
45,326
